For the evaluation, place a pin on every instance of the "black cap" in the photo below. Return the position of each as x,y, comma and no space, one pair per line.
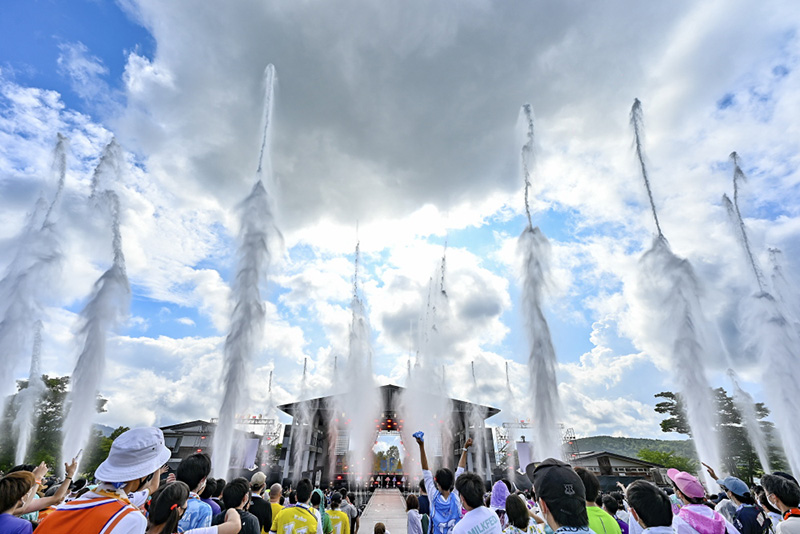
554,480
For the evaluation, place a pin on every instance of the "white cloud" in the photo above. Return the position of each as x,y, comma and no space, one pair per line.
400,120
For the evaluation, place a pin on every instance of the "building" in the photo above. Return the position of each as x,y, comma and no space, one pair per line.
184,439
611,468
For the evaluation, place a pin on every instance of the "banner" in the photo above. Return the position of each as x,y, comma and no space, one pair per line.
525,452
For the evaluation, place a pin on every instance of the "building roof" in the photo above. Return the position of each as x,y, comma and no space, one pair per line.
388,393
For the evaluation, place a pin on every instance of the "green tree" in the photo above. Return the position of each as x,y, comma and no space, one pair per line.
738,456
99,447
668,459
45,445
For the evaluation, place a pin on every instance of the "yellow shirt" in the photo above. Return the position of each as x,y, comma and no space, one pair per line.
276,507
340,522
298,519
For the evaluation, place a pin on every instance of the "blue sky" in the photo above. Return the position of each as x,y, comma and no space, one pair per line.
400,121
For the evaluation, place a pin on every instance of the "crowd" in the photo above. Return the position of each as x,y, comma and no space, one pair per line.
134,494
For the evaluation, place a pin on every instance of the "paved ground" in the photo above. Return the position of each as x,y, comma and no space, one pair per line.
388,507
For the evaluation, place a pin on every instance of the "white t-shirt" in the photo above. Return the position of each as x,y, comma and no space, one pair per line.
789,526
479,520
682,527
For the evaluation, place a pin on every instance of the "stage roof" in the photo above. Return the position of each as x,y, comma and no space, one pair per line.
389,393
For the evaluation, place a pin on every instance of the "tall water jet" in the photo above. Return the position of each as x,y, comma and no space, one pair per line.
29,397
475,425
669,290
534,250
743,400
770,335
105,309
249,310
746,405
29,277
784,289
360,405
302,425
425,402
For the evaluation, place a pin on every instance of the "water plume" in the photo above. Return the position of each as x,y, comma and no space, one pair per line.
743,400
746,405
534,250
774,339
669,289
736,217
637,122
28,398
424,402
360,406
302,424
106,308
249,311
775,342
475,426
29,277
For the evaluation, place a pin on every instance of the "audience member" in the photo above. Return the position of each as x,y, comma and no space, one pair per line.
445,507
236,496
599,520
169,503
298,519
784,495
562,496
207,494
193,471
340,520
14,487
650,507
694,516
133,468
258,506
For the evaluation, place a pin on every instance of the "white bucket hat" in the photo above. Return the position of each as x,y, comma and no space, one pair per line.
136,453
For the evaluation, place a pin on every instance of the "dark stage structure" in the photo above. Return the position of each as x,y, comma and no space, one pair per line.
324,458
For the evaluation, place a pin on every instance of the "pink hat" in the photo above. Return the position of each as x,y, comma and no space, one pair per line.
687,483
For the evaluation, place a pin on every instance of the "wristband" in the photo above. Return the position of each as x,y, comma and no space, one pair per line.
39,482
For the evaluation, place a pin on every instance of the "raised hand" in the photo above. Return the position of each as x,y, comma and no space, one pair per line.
40,471
69,469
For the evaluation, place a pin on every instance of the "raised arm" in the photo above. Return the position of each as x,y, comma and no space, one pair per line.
423,458
232,524
59,495
462,462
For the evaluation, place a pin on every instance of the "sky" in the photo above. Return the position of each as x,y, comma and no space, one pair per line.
397,126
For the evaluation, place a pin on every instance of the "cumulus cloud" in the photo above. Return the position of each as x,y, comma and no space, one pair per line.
400,121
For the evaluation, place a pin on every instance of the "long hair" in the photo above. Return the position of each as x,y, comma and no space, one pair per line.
167,504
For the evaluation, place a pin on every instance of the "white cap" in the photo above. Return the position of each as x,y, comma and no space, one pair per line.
136,453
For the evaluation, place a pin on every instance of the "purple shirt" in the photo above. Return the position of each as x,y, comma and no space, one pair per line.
215,509
14,525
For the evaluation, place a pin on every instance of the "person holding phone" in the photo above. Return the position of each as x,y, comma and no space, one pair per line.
133,467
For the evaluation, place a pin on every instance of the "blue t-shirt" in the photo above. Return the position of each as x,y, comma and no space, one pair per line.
197,515
14,525
445,513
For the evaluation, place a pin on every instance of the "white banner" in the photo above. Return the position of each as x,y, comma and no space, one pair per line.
525,452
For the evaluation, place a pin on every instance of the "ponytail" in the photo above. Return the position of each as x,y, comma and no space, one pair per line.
167,504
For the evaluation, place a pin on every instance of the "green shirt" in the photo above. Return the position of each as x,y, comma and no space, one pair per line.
601,522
